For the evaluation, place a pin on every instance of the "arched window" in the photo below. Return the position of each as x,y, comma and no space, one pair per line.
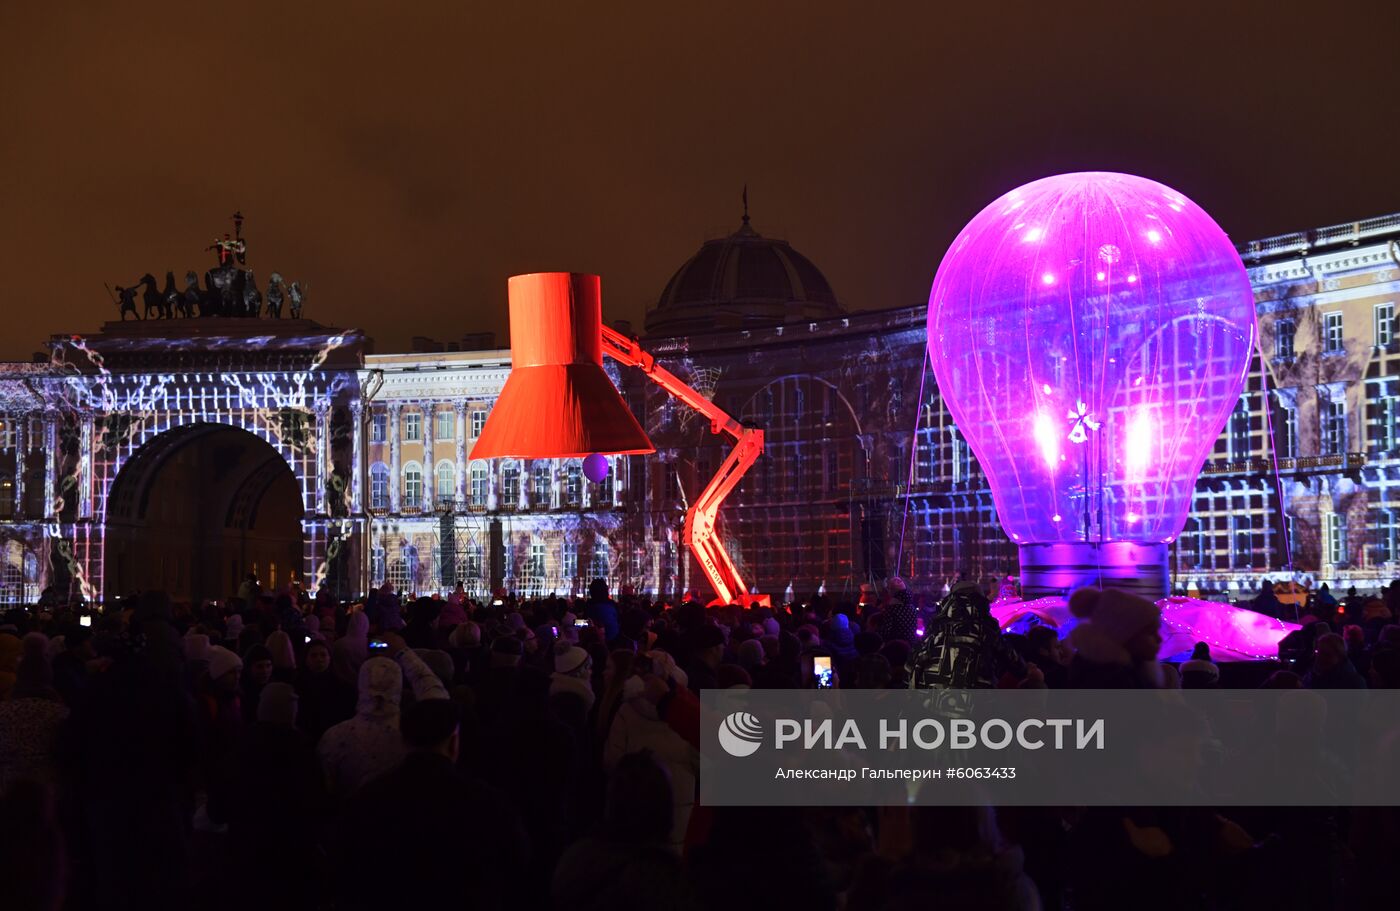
378,486
413,483
479,486
446,481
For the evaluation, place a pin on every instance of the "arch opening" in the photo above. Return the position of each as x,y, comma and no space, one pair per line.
196,509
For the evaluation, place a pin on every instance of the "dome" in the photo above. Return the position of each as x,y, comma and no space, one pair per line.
742,281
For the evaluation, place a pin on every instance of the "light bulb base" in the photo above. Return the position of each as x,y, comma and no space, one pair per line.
1048,570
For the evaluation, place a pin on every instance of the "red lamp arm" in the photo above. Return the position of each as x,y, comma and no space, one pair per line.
700,533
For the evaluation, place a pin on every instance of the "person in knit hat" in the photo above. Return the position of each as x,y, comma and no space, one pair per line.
573,672
1116,642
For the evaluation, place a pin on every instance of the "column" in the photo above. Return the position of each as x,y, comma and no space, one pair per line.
395,482
357,432
461,406
21,450
429,464
85,475
322,455
493,472
50,457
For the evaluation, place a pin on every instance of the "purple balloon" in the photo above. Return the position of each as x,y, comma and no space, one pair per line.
595,468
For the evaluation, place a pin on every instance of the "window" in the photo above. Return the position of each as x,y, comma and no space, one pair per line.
959,460
833,470
1335,537
479,484
398,574
535,568
1332,332
446,481
1241,542
541,473
1239,430
1386,413
378,426
510,484
413,426
478,422
1284,332
446,425
605,486
1193,542
673,483
1385,535
413,483
378,486
573,482
1385,324
474,561
599,569
1334,427
376,565
508,558
568,560
1286,431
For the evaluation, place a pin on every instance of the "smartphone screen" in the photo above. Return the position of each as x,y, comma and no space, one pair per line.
378,643
821,671
580,624
85,620
554,631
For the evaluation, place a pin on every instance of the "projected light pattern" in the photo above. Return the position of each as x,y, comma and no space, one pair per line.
1091,333
1233,633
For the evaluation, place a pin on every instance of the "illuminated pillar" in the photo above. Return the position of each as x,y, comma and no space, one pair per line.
85,472
429,467
322,455
461,406
50,457
21,450
395,481
357,430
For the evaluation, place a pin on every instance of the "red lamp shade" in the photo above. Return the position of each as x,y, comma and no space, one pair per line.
557,401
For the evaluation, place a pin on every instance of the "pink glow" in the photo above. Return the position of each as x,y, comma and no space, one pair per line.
1233,633
1133,309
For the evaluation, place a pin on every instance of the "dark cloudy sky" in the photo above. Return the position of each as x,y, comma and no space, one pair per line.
405,158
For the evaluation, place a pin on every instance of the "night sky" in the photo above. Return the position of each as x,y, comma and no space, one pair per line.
404,159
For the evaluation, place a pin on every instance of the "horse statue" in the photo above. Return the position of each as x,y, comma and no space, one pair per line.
252,297
275,295
151,297
298,295
170,298
228,302
191,301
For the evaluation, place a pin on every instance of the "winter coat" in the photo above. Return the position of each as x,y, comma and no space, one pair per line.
637,727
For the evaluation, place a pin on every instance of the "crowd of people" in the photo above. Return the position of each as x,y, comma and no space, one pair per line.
279,751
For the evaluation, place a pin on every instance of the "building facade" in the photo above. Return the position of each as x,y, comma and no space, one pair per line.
864,474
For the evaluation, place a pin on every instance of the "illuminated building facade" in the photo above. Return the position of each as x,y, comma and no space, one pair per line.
183,453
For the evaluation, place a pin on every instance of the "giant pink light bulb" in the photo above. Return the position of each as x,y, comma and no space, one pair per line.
1090,334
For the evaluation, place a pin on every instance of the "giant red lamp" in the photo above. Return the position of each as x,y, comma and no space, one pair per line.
558,403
